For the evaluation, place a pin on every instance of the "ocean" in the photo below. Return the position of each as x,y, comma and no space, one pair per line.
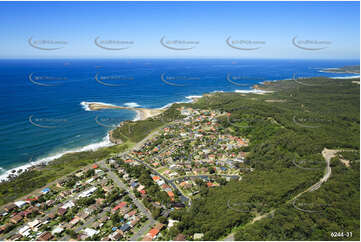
42,111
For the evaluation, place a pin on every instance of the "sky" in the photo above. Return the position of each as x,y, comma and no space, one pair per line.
269,30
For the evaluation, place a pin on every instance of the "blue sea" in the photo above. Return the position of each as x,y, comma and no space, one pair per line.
41,111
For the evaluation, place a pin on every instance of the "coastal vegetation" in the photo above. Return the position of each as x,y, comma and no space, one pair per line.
137,131
285,137
288,128
40,176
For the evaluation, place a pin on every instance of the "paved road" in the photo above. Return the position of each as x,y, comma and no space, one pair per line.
182,197
51,210
143,230
37,191
87,224
207,175
146,227
328,155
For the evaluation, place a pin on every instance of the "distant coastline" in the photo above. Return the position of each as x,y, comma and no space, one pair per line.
108,140
141,114
345,69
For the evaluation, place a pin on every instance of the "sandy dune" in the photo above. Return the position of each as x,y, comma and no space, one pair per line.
143,113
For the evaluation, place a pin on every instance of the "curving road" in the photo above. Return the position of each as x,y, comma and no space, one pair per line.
182,197
328,154
146,227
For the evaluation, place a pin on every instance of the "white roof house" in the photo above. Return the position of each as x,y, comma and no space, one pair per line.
57,230
20,204
90,232
68,205
24,231
88,192
97,171
35,223
171,223
198,236
160,182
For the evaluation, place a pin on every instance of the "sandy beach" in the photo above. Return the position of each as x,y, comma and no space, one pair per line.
142,113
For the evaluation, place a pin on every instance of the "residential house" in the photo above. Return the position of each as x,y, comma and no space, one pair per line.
198,236
25,231
74,221
90,232
16,219
61,211
57,230
15,237
124,228
45,236
45,190
120,206
35,224
20,204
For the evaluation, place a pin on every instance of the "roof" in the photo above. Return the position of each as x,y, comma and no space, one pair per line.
34,223
125,227
30,199
133,212
61,211
170,193
90,232
198,236
120,205
147,238
155,178
20,203
95,166
153,232
178,205
17,218
134,184
45,236
57,230
46,190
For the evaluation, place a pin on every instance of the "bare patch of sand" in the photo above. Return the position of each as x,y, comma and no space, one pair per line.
345,162
143,113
